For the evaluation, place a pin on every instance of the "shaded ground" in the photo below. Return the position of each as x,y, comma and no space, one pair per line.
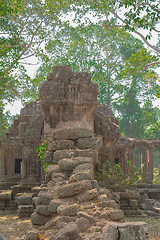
14,228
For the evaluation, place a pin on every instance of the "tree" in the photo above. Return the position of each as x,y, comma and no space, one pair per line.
93,48
133,15
24,27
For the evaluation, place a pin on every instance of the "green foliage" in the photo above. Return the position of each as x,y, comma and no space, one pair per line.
6,120
42,155
111,175
155,175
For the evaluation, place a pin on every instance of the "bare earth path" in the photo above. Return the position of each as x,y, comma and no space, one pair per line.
14,228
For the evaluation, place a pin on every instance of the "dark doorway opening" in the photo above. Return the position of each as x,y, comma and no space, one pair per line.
18,163
116,160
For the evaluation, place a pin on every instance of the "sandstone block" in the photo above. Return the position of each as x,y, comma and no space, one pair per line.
44,198
111,204
72,133
49,157
87,196
69,232
5,195
25,209
87,216
115,214
60,145
67,164
35,191
83,167
57,178
53,205
133,203
51,169
87,175
73,189
43,210
89,143
24,199
68,210
50,224
38,219
60,154
133,230
83,224
130,194
32,235
65,219
110,232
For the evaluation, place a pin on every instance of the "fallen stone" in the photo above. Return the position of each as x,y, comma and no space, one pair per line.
72,133
53,205
87,196
87,216
105,191
130,194
70,164
134,204
83,167
110,231
50,170
32,235
50,224
115,214
85,175
89,143
69,232
43,210
83,224
61,154
38,219
65,219
151,213
68,210
111,204
60,145
133,230
73,189
44,198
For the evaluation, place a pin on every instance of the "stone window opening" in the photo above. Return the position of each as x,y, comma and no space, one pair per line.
116,160
18,166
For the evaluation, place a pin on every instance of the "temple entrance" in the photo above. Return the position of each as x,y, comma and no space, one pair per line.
18,164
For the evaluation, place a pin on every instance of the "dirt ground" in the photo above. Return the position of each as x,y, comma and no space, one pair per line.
14,228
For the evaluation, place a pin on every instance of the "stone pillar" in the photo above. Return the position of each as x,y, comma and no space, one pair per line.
125,160
150,164
130,158
159,162
144,158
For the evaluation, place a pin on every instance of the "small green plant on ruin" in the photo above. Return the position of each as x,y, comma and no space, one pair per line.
111,175
42,155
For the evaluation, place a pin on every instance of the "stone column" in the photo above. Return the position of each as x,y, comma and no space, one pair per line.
150,164
130,158
144,158
159,162
125,160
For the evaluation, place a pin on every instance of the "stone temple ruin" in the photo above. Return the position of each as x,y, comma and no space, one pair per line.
80,136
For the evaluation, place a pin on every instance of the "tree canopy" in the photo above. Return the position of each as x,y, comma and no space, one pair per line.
91,36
